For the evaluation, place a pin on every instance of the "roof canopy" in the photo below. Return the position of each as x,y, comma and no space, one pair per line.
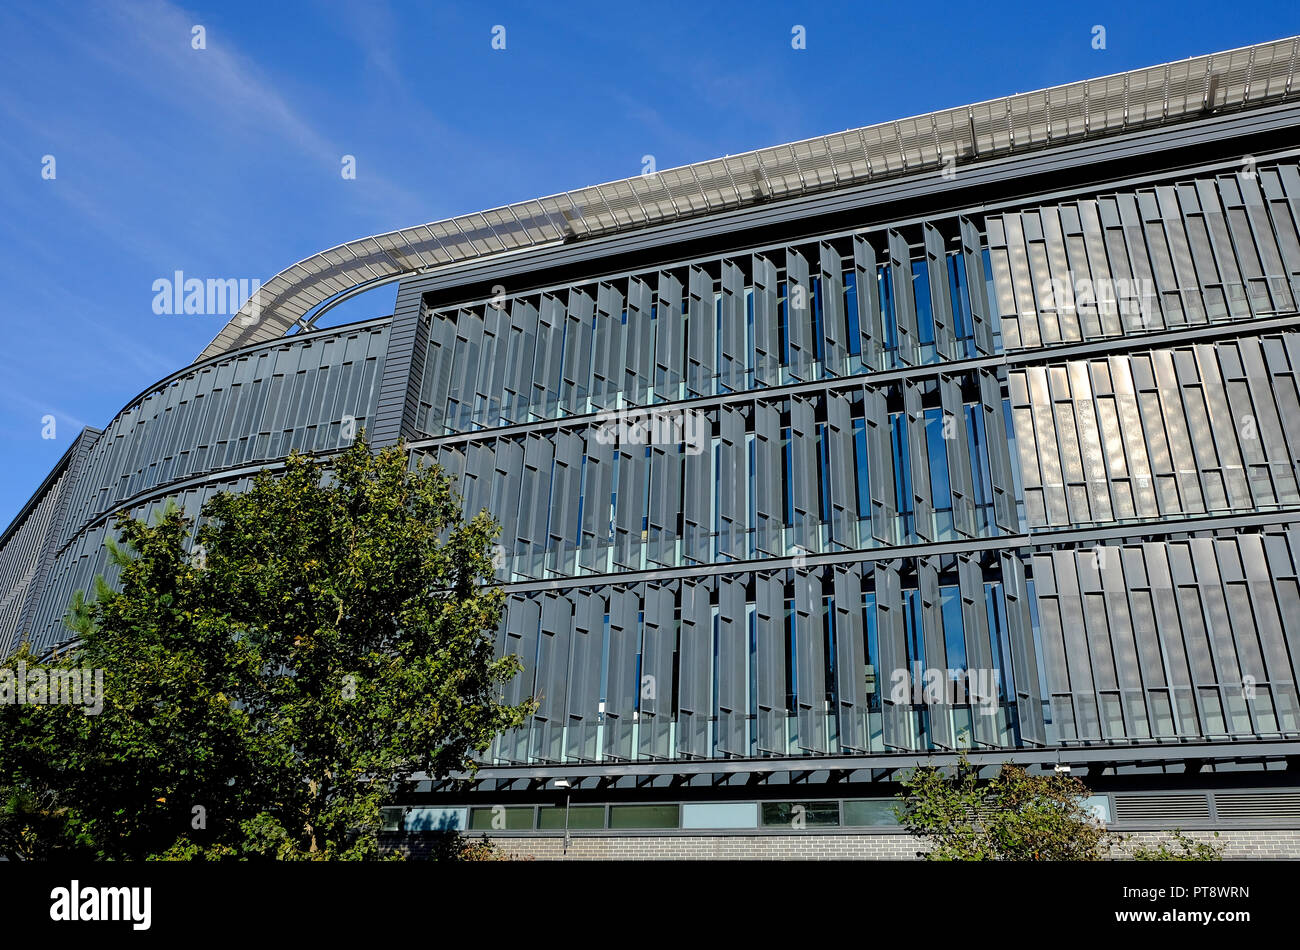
1249,76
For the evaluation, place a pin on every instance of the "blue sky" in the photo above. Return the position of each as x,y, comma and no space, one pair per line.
225,162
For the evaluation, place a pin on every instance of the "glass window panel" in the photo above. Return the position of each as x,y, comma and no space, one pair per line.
580,816
912,624
902,470
425,818
851,311
1288,720
953,634
720,815
870,812
499,817
888,321
1112,717
1162,714
937,448
861,470
963,324
1213,709
1099,805
924,311
644,816
801,814
873,684
1239,716
1264,711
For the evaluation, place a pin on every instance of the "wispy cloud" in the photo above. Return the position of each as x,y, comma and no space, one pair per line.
40,409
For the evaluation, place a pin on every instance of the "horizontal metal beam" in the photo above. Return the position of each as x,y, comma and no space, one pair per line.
1049,353
1038,539
1081,756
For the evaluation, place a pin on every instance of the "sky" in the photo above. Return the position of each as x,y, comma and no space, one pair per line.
127,154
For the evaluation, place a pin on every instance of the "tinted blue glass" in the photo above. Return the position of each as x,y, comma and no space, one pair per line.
824,472
753,662
613,496
902,470
753,494
924,308
828,632
749,330
912,624
717,340
996,611
860,467
979,452
788,452
873,654
685,355
717,487
851,312
937,447
991,295
954,637
885,287
582,497
1032,598
981,473
717,624
792,664
964,325
782,323
604,659
818,319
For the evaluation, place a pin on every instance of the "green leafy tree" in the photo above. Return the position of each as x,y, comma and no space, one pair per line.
1179,847
1015,816
455,846
268,688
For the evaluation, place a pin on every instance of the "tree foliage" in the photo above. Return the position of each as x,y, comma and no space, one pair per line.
1018,816
1015,816
1179,847
271,684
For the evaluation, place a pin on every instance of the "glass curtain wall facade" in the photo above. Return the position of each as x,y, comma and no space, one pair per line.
208,428
835,466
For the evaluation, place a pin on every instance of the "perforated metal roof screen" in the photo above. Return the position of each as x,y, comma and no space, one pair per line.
1224,81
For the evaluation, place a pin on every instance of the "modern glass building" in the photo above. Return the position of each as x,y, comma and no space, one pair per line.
979,429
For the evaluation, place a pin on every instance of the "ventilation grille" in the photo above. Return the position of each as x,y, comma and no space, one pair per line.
1161,807
1272,806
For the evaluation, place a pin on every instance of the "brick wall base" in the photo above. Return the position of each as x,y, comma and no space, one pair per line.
1272,843
1237,844
821,847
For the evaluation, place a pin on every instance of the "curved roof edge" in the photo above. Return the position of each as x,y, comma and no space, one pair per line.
1154,95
